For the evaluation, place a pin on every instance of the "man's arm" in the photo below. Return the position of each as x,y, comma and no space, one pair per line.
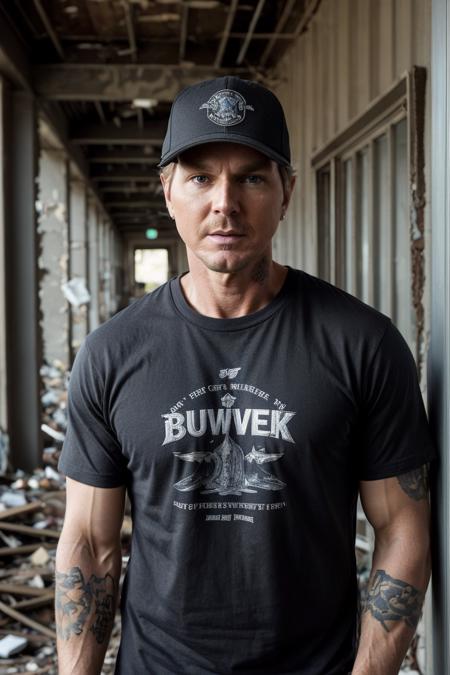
88,566
398,510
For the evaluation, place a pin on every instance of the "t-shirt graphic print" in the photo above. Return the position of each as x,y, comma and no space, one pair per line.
235,447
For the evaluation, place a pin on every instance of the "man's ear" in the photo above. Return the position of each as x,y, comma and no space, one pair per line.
288,193
166,189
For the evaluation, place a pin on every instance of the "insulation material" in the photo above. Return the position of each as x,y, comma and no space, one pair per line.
75,292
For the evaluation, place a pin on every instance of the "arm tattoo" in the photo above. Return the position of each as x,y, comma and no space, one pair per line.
75,600
415,483
391,599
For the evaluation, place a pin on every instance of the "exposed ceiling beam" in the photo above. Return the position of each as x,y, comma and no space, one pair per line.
121,175
132,215
150,218
278,28
183,30
311,8
127,156
128,188
49,28
129,20
92,82
130,203
226,33
133,199
251,30
14,63
136,198
265,36
128,134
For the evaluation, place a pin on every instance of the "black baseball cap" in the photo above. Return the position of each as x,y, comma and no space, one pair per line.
227,109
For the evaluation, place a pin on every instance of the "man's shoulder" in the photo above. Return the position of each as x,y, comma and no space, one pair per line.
334,306
132,322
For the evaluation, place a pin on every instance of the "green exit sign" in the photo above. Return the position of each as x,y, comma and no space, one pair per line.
151,233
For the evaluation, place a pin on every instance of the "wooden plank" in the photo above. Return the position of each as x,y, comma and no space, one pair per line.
22,589
26,621
26,549
41,601
31,531
225,35
19,510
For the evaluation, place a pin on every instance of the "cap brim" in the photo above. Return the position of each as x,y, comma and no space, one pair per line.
229,138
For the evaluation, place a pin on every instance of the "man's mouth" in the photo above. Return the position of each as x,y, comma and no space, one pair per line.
225,237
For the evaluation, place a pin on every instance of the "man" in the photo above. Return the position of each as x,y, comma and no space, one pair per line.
242,405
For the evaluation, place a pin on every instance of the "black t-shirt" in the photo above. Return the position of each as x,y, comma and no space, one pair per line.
242,442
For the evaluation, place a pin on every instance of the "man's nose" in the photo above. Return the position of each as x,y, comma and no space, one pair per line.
226,198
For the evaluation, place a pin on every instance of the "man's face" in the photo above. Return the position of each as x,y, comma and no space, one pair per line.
227,200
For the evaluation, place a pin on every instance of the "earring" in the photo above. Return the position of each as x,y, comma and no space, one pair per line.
283,216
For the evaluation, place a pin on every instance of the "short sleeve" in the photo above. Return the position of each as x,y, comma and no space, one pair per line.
394,432
91,453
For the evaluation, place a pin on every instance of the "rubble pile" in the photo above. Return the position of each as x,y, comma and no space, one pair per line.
31,516
30,522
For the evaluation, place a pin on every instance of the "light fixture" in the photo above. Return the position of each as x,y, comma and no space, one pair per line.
151,233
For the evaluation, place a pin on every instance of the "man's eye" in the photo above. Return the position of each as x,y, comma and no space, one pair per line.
254,180
200,180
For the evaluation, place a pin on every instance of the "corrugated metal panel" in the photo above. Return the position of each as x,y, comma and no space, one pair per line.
351,53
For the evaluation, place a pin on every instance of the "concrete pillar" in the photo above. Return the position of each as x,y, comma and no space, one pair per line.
117,272
54,259
112,270
101,267
93,261
23,346
107,270
4,438
78,258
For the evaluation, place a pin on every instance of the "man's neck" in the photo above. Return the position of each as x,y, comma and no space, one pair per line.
226,296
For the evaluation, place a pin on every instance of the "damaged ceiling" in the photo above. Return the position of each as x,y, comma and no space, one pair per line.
110,69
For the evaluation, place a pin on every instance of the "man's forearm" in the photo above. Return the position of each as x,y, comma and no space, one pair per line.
86,592
392,609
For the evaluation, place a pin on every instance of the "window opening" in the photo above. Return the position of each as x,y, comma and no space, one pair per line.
151,268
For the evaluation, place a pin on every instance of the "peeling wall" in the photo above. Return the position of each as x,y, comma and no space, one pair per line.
52,208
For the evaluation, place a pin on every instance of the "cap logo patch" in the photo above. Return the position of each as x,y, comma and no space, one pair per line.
226,108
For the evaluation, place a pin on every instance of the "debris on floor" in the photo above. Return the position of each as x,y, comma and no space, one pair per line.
31,515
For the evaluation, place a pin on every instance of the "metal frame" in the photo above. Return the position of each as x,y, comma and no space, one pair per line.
405,100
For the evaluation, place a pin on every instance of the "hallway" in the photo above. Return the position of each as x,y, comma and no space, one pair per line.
85,93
